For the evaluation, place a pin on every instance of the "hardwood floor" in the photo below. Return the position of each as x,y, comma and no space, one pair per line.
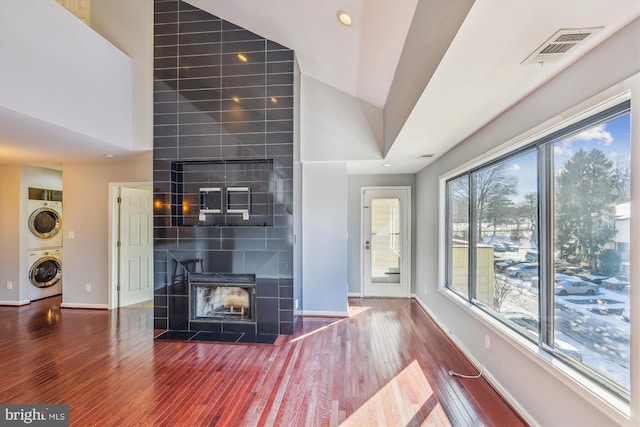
386,365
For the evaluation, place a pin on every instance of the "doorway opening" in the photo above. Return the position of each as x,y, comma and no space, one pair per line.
386,241
131,240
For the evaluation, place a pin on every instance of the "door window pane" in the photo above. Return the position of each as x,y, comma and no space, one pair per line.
386,241
591,226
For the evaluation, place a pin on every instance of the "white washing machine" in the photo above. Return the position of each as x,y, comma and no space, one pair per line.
45,273
45,224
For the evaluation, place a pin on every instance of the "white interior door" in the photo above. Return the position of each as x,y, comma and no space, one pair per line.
386,243
135,276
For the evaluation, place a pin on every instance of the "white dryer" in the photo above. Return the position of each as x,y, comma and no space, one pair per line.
45,224
45,273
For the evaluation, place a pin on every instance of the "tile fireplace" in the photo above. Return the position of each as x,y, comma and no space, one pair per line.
223,180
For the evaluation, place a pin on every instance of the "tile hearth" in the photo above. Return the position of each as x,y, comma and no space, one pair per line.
226,337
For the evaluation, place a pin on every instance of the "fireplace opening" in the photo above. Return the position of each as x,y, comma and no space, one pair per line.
222,301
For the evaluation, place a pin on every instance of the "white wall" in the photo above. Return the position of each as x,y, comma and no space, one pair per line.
354,196
324,226
11,255
86,214
335,126
129,26
540,391
54,68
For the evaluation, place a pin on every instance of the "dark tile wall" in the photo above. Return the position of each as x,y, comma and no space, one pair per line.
222,93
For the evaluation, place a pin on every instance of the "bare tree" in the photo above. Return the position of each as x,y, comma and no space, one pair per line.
501,289
494,186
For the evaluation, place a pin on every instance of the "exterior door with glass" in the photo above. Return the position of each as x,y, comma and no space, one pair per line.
386,243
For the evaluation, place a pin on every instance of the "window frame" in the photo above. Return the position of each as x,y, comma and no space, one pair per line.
544,147
449,235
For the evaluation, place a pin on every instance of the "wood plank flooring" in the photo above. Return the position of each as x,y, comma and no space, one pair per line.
385,365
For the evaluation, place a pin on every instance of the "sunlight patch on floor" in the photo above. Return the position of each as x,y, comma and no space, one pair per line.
405,400
354,310
315,331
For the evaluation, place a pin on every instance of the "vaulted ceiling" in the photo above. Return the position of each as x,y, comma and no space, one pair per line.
464,57
359,60
441,68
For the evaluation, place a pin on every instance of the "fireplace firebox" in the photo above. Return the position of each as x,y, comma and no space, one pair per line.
219,301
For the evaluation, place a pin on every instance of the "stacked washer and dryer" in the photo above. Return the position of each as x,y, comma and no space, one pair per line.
45,243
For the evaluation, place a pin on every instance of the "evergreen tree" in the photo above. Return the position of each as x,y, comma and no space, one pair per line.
585,206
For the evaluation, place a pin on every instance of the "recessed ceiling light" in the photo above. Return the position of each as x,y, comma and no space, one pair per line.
242,58
386,165
110,156
425,155
344,17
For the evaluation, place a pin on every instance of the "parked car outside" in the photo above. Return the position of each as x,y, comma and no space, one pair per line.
503,264
530,326
499,247
511,247
559,277
525,270
531,256
566,287
571,270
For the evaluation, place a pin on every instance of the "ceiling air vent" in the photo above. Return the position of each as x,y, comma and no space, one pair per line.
558,44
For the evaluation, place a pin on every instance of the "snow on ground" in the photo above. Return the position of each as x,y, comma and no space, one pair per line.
610,355
602,336
591,323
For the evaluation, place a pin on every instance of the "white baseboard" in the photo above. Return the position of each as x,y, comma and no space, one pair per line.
15,303
310,313
84,305
476,363
354,295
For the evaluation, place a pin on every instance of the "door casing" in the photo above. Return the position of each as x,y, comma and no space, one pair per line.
114,233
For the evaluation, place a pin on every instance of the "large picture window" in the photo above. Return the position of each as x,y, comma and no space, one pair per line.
539,238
